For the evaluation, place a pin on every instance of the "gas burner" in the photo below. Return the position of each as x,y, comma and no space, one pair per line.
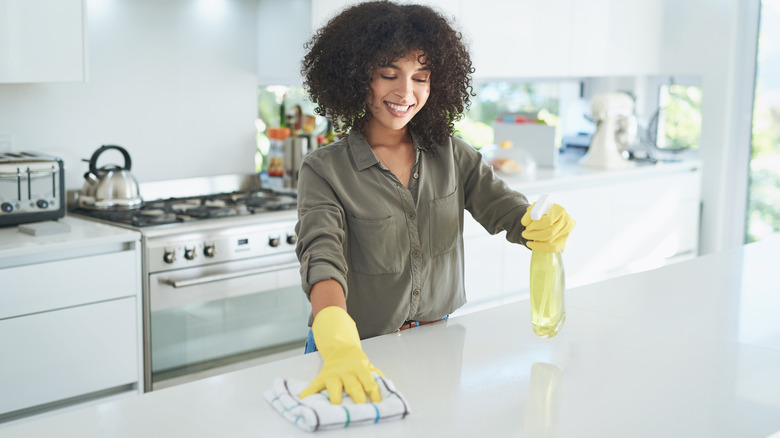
189,209
257,202
207,212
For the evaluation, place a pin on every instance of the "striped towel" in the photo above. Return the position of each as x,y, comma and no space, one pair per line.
316,412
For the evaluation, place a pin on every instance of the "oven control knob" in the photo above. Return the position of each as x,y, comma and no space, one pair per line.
292,239
7,207
42,204
273,242
189,253
169,256
208,250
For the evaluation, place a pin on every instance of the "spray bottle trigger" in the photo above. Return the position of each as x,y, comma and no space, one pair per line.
541,207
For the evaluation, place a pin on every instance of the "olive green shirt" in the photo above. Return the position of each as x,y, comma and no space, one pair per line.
397,251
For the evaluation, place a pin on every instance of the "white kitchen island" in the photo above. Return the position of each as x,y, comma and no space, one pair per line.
691,349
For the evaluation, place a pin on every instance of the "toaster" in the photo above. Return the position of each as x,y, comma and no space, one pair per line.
32,188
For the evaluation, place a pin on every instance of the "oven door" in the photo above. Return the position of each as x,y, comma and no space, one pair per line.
222,315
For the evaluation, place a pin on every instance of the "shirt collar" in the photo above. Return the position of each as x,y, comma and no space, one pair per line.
361,151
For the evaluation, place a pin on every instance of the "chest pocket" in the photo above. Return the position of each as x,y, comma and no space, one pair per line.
444,226
375,246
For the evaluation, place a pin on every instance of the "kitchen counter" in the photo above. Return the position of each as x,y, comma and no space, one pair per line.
70,315
570,175
19,248
690,349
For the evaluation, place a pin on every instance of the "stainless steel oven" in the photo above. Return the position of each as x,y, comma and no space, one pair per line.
221,282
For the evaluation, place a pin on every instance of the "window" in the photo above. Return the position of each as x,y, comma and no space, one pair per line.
494,100
679,117
269,104
763,211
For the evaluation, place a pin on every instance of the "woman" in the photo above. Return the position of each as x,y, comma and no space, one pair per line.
380,212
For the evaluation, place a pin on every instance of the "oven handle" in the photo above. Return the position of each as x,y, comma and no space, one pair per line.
230,275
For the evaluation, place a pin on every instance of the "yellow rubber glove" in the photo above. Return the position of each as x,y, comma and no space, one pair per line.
549,233
345,365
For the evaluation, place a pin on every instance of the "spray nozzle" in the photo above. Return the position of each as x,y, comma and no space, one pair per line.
541,207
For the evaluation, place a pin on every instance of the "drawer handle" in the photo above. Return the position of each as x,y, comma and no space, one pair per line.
229,275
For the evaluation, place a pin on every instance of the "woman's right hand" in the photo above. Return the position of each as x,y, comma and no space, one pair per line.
345,365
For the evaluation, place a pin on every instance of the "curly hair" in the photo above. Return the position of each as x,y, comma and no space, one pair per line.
343,54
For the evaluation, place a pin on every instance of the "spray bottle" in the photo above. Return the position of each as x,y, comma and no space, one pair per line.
548,281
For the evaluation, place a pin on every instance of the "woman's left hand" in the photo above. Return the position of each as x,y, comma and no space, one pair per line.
549,233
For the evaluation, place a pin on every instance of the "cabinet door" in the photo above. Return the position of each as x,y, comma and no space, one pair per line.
41,40
623,226
483,255
518,38
616,37
563,38
52,356
71,282
323,10
656,220
635,37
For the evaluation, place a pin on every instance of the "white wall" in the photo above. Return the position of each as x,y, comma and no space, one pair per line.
172,81
716,39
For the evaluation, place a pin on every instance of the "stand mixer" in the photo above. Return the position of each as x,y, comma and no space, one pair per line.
615,129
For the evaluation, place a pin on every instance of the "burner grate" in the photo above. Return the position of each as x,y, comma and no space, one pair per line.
176,210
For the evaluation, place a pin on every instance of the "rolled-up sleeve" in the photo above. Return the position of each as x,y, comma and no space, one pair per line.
321,230
487,197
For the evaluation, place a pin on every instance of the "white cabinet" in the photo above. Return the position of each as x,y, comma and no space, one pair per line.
70,324
616,38
563,38
483,258
511,39
323,10
42,41
56,355
631,225
627,221
522,38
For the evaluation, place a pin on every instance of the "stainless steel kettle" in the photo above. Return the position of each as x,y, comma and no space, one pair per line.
110,187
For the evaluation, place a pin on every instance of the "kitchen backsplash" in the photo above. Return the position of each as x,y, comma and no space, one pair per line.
170,81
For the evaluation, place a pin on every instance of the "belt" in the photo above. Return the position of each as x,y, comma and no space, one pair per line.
410,324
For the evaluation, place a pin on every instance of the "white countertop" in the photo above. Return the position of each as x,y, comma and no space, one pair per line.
568,174
687,350
81,233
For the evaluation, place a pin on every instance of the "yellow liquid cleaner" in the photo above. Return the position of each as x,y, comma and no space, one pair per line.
548,281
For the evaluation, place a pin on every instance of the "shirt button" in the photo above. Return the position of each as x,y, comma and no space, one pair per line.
416,292
416,253
411,215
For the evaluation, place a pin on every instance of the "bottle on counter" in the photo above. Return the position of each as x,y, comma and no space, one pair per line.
277,138
548,281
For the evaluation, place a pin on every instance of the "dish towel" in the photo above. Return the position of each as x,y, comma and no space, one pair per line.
316,412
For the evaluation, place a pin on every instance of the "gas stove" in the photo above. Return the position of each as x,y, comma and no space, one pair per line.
179,210
171,203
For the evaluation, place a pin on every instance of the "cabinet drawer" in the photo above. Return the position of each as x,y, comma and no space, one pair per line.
71,282
56,355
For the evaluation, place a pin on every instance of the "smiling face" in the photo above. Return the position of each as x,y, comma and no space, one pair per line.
399,90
